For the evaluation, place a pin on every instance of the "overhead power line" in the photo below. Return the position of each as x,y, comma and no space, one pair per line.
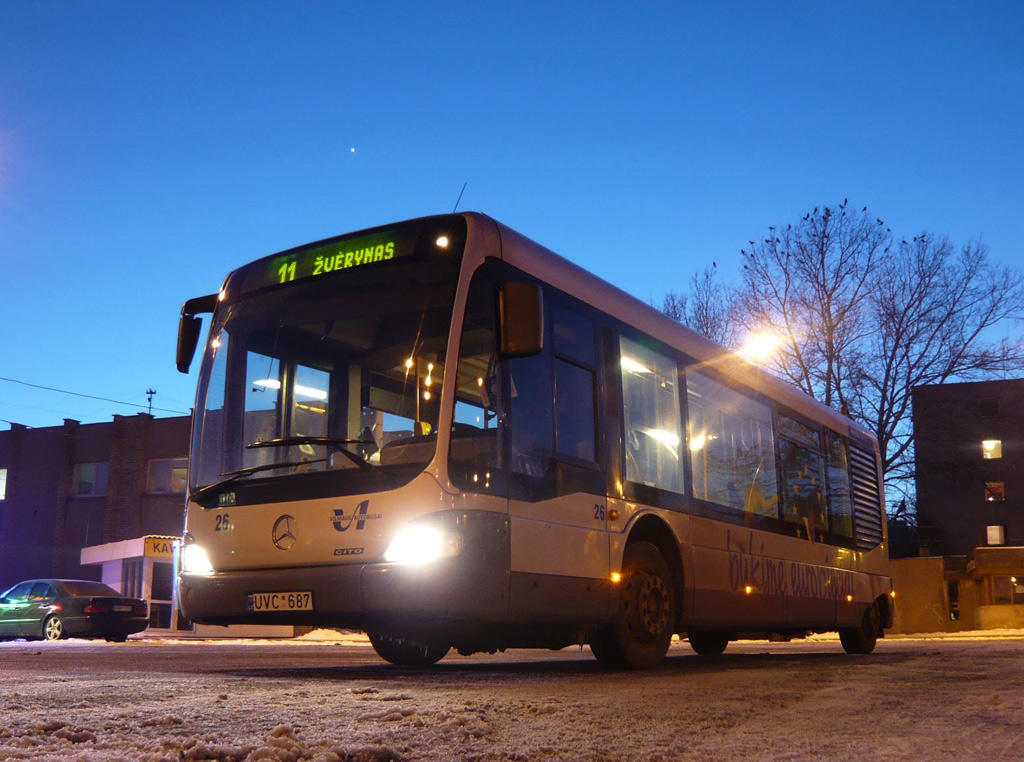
91,396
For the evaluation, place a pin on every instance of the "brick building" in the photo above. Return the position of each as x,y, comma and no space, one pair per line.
969,441
63,488
969,445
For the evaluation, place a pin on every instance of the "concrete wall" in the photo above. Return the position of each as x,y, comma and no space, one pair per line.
922,598
922,604
1000,617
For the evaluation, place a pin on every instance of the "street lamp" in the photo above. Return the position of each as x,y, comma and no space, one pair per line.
759,346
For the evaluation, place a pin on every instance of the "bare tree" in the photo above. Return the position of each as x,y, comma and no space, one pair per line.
931,308
863,320
707,308
808,284
674,305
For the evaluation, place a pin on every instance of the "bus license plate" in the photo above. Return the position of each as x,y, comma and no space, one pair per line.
293,601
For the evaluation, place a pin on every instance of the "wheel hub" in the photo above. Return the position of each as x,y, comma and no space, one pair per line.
54,629
652,604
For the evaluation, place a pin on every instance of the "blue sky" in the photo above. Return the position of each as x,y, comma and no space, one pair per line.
146,149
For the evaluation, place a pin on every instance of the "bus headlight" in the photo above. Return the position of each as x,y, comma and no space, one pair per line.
194,560
420,544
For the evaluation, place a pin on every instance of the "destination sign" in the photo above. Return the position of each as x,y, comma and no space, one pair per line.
421,240
340,255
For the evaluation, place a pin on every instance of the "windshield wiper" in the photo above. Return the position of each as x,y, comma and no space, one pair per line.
232,476
331,441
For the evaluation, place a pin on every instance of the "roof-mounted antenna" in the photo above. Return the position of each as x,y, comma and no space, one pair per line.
460,196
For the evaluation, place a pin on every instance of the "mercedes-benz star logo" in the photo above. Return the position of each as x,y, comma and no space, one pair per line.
284,532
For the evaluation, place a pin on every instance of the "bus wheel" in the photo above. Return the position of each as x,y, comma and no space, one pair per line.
708,642
405,652
647,612
861,640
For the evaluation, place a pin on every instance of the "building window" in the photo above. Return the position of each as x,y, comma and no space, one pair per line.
90,479
167,475
988,408
991,449
995,534
3,483
1007,591
995,492
131,577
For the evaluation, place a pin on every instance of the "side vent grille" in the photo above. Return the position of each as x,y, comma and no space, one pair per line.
867,503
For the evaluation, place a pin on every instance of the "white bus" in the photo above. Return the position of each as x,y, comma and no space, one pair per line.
444,434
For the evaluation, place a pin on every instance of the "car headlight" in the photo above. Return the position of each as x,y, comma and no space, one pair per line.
420,544
194,560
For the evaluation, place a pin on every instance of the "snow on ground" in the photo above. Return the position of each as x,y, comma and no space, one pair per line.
323,699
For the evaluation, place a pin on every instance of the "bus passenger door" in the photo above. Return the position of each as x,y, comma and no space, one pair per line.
559,537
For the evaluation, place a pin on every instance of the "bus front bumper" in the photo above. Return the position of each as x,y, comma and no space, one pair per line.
355,596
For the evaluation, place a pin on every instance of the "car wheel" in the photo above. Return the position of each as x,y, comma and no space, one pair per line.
53,628
641,636
862,640
709,642
406,652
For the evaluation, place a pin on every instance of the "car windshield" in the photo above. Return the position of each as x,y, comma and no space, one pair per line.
85,587
338,375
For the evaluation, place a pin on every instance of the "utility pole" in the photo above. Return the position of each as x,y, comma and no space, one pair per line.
149,396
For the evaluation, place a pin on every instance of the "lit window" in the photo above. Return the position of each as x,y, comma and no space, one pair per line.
3,483
991,449
995,534
90,479
995,492
167,475
653,423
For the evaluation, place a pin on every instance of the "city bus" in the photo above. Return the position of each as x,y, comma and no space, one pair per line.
445,435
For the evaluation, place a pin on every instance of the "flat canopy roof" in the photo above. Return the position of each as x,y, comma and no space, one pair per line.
149,546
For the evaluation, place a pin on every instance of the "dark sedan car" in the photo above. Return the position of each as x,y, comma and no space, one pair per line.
55,609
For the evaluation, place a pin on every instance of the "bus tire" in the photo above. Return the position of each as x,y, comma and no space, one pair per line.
405,652
708,642
641,635
862,640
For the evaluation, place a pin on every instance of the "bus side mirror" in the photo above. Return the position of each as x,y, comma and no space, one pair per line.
189,326
188,338
521,319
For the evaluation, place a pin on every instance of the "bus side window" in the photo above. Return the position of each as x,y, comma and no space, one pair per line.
732,447
840,499
651,416
575,387
803,478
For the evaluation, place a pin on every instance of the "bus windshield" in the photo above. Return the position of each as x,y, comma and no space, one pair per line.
338,375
